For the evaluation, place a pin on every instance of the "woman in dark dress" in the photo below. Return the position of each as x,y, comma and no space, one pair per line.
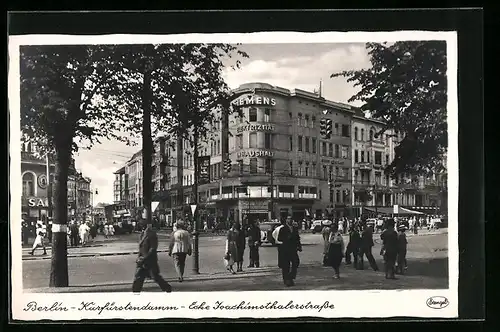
335,249
240,244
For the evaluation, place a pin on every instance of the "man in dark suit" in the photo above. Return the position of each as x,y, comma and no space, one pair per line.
353,245
147,261
366,245
288,247
389,249
254,243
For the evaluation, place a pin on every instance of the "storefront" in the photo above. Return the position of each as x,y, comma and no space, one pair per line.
34,207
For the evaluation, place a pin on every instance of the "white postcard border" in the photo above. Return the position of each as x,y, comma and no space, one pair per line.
347,304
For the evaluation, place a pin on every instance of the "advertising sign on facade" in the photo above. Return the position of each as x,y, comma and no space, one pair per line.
37,202
258,127
255,100
204,170
333,162
255,153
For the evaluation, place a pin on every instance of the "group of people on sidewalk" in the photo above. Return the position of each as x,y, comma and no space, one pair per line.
394,248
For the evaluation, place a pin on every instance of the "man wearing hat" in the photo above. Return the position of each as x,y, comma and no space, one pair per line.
147,260
288,240
402,245
389,249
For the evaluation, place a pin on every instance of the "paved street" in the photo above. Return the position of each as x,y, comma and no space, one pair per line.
427,260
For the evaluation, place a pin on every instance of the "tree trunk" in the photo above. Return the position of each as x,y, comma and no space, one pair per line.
196,258
147,147
59,263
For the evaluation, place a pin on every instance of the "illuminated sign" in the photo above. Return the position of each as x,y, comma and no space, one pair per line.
255,128
255,153
255,100
37,202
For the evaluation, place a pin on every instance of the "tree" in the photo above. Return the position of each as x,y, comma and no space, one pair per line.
406,87
58,90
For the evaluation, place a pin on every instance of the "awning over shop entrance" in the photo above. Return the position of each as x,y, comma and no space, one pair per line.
390,210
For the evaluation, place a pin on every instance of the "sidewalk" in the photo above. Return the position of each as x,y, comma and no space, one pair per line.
310,277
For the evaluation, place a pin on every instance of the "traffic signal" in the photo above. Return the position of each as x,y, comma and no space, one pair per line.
326,127
227,165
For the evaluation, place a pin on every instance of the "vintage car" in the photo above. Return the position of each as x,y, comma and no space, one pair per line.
266,231
317,225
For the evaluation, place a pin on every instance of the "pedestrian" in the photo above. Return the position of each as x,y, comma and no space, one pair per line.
84,233
335,249
241,244
41,231
325,233
111,230
93,231
232,254
353,245
401,264
288,247
389,249
73,233
365,248
49,230
180,246
147,260
254,242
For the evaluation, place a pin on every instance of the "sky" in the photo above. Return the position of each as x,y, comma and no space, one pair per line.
290,66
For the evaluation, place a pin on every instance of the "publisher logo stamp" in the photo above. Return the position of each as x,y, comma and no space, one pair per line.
437,302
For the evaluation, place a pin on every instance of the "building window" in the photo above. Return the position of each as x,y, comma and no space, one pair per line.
345,130
28,184
331,196
268,141
314,170
253,165
290,166
356,176
378,158
337,196
299,119
387,159
307,170
313,145
378,178
269,165
218,147
362,156
362,134
300,168
290,143
337,129
330,149
290,116
306,143
371,134
239,142
345,152
306,120
330,172
299,143
356,133
253,114
253,140
323,152
368,157
240,166
267,115
356,156
313,120
337,151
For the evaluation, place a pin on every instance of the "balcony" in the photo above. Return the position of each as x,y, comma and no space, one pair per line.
285,195
365,166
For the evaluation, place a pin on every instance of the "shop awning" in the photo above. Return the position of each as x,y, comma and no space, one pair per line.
390,210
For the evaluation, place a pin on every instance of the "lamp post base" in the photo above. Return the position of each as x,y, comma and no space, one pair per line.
196,254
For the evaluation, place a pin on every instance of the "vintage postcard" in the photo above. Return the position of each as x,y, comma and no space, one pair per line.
260,175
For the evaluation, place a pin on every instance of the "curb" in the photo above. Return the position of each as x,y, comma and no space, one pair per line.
37,258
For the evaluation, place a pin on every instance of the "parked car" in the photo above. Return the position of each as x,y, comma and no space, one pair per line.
266,231
317,225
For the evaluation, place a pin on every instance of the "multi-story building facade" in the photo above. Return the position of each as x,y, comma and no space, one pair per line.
35,183
280,163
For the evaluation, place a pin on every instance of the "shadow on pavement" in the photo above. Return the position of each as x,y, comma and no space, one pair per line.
434,268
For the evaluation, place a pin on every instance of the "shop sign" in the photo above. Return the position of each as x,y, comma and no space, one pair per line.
255,100
258,127
37,202
333,162
121,211
255,153
42,181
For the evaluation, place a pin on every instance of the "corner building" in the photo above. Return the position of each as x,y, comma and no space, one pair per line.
280,164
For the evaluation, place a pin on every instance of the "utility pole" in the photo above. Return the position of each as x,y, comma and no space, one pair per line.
196,252
271,202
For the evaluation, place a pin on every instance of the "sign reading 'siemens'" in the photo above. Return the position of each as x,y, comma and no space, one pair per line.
255,153
255,100
255,128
